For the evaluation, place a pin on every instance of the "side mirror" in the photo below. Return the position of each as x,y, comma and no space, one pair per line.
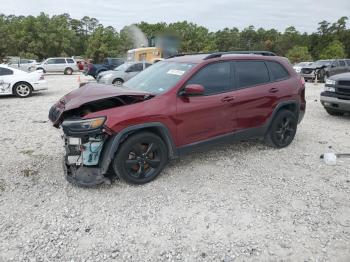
192,90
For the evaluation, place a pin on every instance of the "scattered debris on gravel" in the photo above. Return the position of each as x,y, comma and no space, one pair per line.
242,201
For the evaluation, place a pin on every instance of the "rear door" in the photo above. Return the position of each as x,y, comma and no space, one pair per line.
209,115
334,68
258,92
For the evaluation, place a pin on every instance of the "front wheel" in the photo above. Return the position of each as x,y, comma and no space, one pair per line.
140,158
22,90
118,82
282,130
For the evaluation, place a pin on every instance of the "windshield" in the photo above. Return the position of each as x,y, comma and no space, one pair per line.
122,67
159,77
322,63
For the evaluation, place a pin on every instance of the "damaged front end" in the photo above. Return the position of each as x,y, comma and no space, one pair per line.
88,141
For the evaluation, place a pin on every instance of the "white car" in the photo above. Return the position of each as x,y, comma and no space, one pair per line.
64,65
299,66
22,84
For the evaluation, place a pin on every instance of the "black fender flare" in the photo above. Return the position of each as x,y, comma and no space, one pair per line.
278,107
113,142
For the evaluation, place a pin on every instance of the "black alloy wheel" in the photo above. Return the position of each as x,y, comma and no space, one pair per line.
282,130
141,158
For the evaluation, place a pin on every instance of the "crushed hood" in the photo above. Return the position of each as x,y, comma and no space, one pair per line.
93,92
86,94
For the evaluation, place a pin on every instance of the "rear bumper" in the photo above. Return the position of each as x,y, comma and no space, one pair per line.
334,102
40,85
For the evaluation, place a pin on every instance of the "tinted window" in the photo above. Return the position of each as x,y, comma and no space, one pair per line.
60,61
348,62
277,70
216,78
252,73
334,63
51,61
341,62
5,71
135,68
70,61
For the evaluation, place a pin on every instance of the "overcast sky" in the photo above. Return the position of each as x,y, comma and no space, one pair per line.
214,14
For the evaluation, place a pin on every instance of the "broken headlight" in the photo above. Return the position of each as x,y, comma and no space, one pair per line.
83,124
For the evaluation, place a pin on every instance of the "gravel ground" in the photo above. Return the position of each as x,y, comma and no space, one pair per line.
242,201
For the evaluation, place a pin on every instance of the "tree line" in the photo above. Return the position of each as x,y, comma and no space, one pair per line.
42,36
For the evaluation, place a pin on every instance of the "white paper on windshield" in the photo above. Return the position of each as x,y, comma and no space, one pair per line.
175,72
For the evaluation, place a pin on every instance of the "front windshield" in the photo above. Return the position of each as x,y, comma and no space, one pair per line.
122,67
159,77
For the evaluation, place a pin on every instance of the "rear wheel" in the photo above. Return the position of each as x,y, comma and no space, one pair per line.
22,89
140,158
68,71
282,130
334,113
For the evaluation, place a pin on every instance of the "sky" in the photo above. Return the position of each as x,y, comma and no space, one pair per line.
213,14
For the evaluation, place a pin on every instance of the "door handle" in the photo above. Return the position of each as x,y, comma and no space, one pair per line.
227,99
273,90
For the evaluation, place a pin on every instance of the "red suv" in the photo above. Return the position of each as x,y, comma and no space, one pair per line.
175,106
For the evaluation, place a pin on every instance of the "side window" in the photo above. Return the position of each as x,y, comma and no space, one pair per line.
348,62
51,61
277,70
132,68
148,65
139,67
341,62
60,61
251,73
5,71
70,61
334,64
216,78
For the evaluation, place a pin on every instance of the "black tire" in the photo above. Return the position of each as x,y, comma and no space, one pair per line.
282,129
68,71
40,68
141,158
22,89
334,113
118,82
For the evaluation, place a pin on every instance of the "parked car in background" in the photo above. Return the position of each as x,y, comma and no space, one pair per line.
108,64
325,68
27,65
173,107
64,65
299,66
20,83
336,96
122,73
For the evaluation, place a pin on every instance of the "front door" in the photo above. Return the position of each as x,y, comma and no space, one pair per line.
209,115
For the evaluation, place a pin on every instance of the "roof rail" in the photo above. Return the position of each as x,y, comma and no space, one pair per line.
183,54
219,54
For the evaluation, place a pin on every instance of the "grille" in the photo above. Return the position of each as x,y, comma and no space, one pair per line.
306,71
344,83
345,91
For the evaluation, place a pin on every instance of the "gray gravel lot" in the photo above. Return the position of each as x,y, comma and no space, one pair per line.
242,201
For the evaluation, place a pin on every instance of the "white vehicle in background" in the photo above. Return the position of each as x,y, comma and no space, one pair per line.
27,65
299,66
64,65
22,84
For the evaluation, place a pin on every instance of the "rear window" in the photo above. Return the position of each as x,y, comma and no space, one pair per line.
251,73
278,72
70,61
5,71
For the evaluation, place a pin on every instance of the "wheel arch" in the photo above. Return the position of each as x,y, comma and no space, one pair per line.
115,141
117,78
291,105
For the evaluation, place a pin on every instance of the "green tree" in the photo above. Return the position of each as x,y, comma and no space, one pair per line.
298,54
333,50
